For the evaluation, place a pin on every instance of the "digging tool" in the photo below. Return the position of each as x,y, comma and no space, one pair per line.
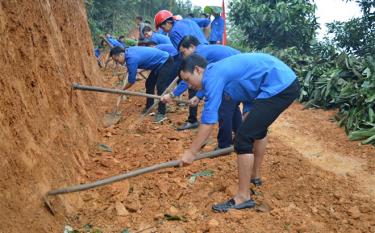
141,171
115,116
141,73
169,88
76,86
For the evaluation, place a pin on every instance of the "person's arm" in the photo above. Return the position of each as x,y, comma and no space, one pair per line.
175,38
210,116
200,94
181,88
204,132
132,74
202,22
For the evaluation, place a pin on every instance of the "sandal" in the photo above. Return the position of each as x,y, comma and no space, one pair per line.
256,181
225,206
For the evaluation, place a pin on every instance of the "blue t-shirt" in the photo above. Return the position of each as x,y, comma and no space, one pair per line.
160,39
124,45
244,77
167,48
212,53
161,31
183,28
217,29
202,22
114,42
139,57
97,52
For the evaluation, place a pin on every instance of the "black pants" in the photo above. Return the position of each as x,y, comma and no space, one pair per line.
161,79
230,119
193,111
262,114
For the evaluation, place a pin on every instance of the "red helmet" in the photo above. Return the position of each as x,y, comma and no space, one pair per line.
161,16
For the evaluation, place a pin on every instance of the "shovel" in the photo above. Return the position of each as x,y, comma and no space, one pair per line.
169,88
140,171
115,116
76,86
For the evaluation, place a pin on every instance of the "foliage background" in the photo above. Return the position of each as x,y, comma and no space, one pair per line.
338,72
118,17
334,73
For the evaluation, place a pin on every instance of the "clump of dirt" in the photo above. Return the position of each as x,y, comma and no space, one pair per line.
46,130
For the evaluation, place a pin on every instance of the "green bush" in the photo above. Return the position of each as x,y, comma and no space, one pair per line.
337,80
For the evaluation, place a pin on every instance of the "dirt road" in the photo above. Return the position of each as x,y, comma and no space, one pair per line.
315,180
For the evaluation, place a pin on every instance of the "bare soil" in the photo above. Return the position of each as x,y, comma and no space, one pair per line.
315,179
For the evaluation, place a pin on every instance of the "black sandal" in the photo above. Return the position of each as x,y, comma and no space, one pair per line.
230,204
256,181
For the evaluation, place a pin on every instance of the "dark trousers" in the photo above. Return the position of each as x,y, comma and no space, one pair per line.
262,114
160,78
193,111
230,119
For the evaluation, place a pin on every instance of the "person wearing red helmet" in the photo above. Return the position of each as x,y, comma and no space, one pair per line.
177,29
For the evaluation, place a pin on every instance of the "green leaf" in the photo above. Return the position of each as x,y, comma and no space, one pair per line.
125,231
104,147
174,218
369,140
193,177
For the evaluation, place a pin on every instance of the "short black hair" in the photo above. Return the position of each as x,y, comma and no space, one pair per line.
115,51
148,21
205,15
187,41
146,28
169,20
121,37
150,43
140,18
191,15
190,62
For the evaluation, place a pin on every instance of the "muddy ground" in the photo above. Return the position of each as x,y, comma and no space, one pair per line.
315,179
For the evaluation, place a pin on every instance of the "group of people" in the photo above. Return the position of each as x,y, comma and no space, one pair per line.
223,78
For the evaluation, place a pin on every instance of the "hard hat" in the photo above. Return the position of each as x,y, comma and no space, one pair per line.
161,16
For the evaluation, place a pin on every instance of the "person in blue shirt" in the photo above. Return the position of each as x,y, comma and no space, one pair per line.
140,25
112,41
161,31
217,29
121,40
265,86
177,29
230,118
171,50
160,64
98,53
155,37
